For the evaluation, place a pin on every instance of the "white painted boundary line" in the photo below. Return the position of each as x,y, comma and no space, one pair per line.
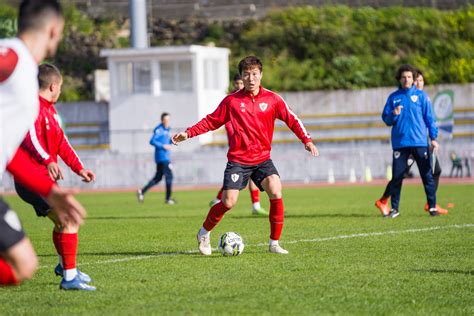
361,235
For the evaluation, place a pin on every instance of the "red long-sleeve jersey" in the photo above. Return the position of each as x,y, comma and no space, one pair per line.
46,140
253,119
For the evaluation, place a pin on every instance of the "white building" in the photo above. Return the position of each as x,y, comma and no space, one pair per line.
186,81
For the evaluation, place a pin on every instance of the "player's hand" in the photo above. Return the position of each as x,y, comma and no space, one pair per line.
435,146
67,208
309,146
180,137
87,175
398,110
54,171
167,147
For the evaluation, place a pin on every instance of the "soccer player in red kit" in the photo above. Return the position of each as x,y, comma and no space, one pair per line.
254,191
44,142
252,112
40,25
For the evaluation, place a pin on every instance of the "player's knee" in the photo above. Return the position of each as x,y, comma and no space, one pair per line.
229,202
27,269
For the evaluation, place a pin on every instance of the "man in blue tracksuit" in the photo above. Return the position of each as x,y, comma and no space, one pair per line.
161,140
408,111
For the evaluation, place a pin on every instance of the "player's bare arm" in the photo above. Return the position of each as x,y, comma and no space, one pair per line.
309,146
180,137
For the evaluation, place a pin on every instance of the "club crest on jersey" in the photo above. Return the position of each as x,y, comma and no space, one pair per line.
263,106
396,154
234,177
414,98
242,107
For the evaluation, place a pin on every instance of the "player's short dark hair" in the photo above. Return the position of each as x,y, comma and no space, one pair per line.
237,77
164,114
47,74
250,62
34,14
418,72
405,68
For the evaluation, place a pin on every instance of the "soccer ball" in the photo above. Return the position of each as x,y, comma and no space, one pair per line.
231,244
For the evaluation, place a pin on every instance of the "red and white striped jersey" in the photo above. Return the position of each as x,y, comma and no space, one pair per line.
46,140
253,119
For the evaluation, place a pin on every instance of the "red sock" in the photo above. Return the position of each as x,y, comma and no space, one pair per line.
255,196
67,244
277,216
7,276
219,195
57,241
214,216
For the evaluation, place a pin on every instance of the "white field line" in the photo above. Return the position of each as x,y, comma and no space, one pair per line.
361,235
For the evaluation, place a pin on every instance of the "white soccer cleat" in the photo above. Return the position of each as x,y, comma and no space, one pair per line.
140,196
204,243
277,249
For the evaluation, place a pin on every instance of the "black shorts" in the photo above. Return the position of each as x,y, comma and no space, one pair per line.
41,207
236,176
11,232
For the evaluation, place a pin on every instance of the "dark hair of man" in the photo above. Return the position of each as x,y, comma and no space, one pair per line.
34,14
47,75
250,62
163,115
418,73
237,77
405,68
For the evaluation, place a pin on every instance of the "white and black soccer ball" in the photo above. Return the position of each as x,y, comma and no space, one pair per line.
231,244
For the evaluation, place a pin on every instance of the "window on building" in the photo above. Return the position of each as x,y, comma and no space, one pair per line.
134,77
142,77
211,74
176,75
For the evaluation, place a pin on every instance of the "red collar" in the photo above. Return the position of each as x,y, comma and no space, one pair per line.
248,94
43,101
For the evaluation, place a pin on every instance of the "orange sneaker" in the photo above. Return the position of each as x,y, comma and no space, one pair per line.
383,207
441,211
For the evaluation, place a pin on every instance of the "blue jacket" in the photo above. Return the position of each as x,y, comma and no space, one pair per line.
161,136
409,129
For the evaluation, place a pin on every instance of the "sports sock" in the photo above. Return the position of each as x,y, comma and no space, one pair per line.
277,216
7,275
203,232
214,216
219,194
273,242
255,196
68,251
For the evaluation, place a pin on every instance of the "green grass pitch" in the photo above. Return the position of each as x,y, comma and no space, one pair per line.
344,257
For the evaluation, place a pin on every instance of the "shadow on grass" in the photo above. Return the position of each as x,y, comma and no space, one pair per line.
466,272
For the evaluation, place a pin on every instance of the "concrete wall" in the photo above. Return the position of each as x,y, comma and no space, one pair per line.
367,100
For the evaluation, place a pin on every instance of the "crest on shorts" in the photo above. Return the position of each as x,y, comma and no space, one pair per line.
396,154
414,98
263,106
234,177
